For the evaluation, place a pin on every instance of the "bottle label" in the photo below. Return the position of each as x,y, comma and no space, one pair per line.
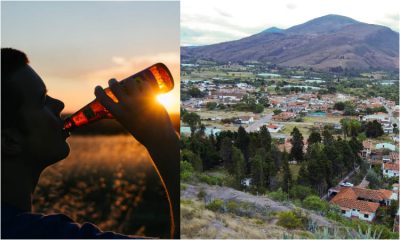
88,113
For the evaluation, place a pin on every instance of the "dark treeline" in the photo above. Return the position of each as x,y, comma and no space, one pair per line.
256,155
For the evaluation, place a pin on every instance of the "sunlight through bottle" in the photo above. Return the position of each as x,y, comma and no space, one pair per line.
159,77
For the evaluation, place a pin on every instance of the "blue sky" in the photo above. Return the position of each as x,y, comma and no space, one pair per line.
76,45
212,21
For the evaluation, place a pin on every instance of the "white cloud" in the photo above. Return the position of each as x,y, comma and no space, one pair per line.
124,67
230,20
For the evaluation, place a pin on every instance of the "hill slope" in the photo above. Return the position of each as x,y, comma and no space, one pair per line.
321,43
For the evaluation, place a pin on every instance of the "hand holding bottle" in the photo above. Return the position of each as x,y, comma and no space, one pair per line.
138,111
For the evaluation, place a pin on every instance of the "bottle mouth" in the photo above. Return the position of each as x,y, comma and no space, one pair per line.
68,124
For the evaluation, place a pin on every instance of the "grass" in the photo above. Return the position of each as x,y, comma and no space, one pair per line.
108,181
199,222
294,170
322,119
303,128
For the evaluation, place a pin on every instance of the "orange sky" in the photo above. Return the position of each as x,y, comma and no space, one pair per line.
102,40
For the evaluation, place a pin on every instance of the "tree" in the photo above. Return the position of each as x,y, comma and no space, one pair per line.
239,165
314,137
339,106
265,138
242,142
375,181
373,129
287,175
192,158
257,171
211,105
327,137
226,152
317,167
277,111
193,120
297,145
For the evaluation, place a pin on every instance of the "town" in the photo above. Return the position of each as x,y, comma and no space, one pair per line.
306,113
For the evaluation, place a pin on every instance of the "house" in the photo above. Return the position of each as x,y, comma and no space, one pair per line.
361,203
274,128
390,169
283,116
394,156
245,120
385,145
385,158
367,145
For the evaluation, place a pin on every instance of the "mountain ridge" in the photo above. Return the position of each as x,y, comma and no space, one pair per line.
321,43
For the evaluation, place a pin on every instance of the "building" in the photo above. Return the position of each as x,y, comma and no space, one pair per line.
245,120
394,156
385,145
390,169
367,146
274,128
361,203
284,116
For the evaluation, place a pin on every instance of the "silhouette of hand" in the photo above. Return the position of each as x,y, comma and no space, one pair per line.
138,111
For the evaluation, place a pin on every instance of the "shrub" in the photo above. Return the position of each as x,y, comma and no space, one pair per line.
289,220
186,171
211,180
300,192
201,194
232,206
278,195
315,203
216,205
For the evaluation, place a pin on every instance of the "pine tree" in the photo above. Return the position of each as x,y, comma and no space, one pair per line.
297,145
265,138
242,142
239,165
257,171
226,153
287,175
314,137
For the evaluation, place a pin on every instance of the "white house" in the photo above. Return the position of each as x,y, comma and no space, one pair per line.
390,169
361,203
385,145
246,119
274,128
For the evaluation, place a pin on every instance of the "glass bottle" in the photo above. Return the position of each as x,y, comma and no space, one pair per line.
159,77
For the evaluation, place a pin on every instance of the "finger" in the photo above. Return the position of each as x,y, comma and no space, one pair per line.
117,89
133,85
105,100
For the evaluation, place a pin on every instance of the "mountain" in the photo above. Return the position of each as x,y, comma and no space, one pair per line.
321,43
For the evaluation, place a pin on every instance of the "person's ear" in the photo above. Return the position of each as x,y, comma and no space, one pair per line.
11,142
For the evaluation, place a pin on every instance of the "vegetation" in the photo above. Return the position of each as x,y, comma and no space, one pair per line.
108,181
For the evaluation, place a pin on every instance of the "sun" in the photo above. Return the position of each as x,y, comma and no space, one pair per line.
167,100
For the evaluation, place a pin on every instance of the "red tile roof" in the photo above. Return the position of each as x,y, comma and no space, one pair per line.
363,206
394,156
391,166
353,197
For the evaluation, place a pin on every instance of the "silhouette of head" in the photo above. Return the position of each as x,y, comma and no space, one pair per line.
31,124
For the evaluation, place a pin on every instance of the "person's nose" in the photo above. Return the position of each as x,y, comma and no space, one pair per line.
57,105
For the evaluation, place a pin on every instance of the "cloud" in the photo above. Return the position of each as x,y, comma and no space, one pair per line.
122,67
291,6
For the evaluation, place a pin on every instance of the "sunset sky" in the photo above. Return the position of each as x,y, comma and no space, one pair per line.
75,46
212,21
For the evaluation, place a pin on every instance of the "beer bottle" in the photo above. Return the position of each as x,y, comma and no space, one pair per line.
159,77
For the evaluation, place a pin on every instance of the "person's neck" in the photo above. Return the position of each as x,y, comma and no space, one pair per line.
18,184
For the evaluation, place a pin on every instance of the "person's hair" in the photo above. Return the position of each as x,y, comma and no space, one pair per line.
11,61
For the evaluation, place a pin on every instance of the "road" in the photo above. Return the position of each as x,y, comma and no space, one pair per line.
259,123
343,180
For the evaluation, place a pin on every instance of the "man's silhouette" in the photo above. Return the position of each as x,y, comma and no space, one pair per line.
32,138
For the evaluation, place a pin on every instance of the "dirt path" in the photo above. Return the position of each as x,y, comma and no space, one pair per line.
225,193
